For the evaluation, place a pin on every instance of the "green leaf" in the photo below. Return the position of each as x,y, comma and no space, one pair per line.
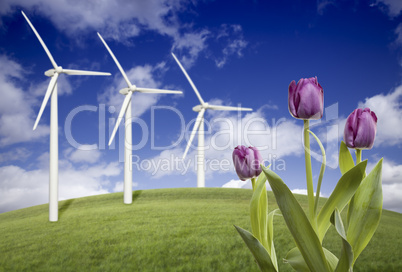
298,224
343,192
271,250
346,260
261,222
259,211
365,211
295,259
258,250
345,159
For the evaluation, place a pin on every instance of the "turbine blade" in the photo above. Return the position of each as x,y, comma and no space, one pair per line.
49,91
116,61
189,80
195,128
41,41
84,73
121,114
227,108
149,90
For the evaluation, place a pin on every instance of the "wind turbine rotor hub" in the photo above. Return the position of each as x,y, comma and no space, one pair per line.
59,69
133,88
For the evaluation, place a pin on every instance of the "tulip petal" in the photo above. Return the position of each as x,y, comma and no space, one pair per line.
360,129
247,162
249,158
348,134
291,98
311,102
255,164
366,131
240,164
374,116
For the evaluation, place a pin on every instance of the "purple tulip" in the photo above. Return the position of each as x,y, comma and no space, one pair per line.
247,162
306,99
360,129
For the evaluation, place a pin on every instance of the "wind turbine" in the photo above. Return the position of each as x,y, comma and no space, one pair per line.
54,145
126,109
199,126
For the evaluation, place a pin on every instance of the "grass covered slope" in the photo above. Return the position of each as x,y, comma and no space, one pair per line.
163,230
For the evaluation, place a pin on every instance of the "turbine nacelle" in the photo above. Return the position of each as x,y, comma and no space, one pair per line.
51,72
198,108
125,91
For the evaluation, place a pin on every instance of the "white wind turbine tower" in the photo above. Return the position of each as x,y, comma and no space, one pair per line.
54,145
199,126
126,109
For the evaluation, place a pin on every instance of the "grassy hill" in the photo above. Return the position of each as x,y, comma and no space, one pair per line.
163,230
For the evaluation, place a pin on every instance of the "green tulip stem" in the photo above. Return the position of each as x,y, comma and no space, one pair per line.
358,156
253,183
322,170
309,173
359,159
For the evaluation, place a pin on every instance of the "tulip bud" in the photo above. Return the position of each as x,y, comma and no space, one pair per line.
247,162
306,99
360,129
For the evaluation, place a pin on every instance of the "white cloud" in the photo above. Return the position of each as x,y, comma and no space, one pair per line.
238,184
242,184
117,20
232,46
193,43
23,188
304,192
391,7
16,154
392,195
82,154
119,186
16,106
299,191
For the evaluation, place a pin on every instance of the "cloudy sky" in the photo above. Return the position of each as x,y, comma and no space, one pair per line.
237,53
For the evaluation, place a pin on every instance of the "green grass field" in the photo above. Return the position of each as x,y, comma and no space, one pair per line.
163,230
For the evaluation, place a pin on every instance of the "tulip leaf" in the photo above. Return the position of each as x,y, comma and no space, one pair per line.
345,159
295,259
258,250
271,249
346,260
343,192
365,211
259,211
298,224
261,222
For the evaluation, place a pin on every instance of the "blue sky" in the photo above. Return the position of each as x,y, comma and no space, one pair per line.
236,52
